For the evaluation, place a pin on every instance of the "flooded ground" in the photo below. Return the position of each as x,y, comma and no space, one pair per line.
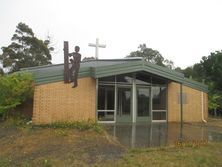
27,145
162,134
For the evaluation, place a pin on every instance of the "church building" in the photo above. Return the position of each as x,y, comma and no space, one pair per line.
129,90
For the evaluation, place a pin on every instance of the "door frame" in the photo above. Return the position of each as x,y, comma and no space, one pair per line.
144,118
117,117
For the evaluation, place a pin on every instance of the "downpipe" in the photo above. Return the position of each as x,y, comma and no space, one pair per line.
202,108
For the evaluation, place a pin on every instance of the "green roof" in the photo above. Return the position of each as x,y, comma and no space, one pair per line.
108,67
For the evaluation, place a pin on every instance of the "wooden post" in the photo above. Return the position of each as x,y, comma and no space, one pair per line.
66,62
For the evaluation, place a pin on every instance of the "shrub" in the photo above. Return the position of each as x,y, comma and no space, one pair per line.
14,90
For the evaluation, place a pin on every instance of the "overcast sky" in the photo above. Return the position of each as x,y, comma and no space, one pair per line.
181,30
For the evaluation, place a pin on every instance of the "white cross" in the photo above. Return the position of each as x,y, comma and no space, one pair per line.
97,46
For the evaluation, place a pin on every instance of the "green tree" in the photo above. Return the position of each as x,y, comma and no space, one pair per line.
210,70
212,66
196,72
26,50
152,56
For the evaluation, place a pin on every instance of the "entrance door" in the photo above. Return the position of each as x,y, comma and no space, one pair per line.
124,97
143,104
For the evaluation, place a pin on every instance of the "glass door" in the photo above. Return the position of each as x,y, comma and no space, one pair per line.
143,104
124,97
159,103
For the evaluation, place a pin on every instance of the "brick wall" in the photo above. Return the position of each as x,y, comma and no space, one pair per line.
192,108
59,102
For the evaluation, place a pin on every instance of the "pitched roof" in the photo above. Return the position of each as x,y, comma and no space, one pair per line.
109,67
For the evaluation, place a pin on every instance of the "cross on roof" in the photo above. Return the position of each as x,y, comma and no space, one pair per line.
97,46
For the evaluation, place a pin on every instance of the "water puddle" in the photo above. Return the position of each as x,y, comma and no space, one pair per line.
161,134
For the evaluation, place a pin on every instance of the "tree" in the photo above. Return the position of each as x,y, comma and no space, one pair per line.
213,69
210,70
26,50
188,72
152,56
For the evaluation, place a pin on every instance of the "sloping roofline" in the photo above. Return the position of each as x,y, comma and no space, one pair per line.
108,67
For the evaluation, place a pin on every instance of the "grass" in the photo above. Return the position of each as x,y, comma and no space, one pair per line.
84,144
215,122
80,125
16,120
208,155
19,121
204,156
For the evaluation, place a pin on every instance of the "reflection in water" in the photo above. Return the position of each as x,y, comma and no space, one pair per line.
160,134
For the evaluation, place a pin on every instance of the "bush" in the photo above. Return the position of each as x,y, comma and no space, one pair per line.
14,90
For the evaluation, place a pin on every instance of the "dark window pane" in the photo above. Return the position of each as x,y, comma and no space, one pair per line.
124,101
159,98
106,97
143,107
125,78
158,81
159,115
143,79
101,98
110,99
107,79
105,116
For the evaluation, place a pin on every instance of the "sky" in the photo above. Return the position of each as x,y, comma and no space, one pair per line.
181,30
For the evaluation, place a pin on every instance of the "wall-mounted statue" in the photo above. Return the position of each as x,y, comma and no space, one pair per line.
71,73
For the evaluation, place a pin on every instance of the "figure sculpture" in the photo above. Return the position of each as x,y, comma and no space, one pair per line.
74,70
71,73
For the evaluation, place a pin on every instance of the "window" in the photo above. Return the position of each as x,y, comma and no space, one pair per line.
107,79
143,79
158,81
159,115
143,102
159,104
124,78
159,98
106,98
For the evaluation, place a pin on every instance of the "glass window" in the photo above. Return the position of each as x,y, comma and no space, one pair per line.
159,115
105,116
125,78
143,79
143,102
158,81
159,98
124,101
106,97
107,79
